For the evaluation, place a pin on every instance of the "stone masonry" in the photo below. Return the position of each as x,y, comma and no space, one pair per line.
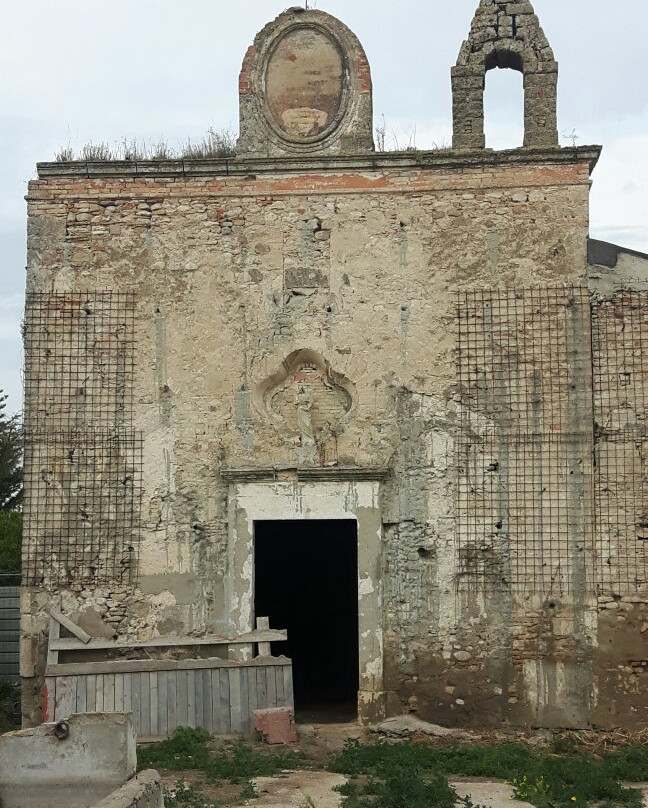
322,331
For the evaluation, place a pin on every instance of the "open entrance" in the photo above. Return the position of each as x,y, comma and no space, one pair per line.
306,580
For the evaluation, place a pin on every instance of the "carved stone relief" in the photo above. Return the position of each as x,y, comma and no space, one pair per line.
307,399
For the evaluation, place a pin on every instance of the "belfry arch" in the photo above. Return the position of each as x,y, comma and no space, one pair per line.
507,36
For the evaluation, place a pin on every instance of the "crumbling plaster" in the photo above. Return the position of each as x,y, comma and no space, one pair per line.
214,262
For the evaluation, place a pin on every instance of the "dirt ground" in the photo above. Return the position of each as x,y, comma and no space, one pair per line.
313,787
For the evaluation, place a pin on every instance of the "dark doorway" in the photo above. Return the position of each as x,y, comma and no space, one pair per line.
306,581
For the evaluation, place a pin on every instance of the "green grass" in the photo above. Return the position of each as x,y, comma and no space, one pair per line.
237,762
182,795
407,775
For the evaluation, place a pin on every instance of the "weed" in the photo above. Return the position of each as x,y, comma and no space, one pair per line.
216,143
527,790
186,750
96,152
399,788
65,154
234,762
182,795
545,780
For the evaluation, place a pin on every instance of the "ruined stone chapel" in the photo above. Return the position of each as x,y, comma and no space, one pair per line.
393,403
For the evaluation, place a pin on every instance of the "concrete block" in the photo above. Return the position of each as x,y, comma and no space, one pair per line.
74,763
143,791
276,725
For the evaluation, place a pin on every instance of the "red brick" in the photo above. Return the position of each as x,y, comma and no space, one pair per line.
277,725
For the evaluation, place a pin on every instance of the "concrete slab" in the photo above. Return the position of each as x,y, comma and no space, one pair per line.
306,788
298,790
46,767
488,793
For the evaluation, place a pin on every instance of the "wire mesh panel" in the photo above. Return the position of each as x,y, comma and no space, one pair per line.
79,360
620,354
524,444
83,460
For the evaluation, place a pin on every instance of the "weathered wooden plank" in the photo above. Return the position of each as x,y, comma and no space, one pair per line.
225,715
54,634
271,685
249,697
72,644
262,688
263,624
81,695
99,706
78,632
163,704
50,699
65,703
191,699
279,682
172,697
153,696
207,720
145,704
235,700
245,699
128,692
91,693
119,692
198,696
288,686
214,675
148,665
136,702
182,715
109,692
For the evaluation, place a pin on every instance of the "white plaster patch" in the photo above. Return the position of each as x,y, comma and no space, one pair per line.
255,502
365,586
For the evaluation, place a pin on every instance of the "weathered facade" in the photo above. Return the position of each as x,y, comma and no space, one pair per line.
411,344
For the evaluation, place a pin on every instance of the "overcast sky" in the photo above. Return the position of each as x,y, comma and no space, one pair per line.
74,71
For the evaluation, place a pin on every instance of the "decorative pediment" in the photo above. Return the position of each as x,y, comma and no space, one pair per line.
307,399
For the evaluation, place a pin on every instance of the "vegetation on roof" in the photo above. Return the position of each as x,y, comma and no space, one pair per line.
216,143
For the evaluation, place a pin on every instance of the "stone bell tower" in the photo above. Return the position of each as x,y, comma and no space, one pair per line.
505,35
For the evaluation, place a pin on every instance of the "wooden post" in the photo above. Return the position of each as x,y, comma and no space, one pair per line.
264,647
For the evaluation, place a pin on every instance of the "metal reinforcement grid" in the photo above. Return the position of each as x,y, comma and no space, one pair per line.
83,458
522,360
620,354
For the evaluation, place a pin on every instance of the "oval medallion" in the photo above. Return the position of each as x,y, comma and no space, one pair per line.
304,83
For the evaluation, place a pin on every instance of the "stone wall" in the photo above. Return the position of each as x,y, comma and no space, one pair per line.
233,269
314,330
618,281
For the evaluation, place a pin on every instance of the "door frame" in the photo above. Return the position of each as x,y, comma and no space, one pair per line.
250,502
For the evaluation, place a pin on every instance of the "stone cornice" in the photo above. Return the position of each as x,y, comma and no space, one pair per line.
442,159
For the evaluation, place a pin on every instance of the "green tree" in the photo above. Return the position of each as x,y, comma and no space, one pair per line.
10,494
10,547
10,458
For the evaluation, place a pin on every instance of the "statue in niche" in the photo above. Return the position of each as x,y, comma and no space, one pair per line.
308,400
